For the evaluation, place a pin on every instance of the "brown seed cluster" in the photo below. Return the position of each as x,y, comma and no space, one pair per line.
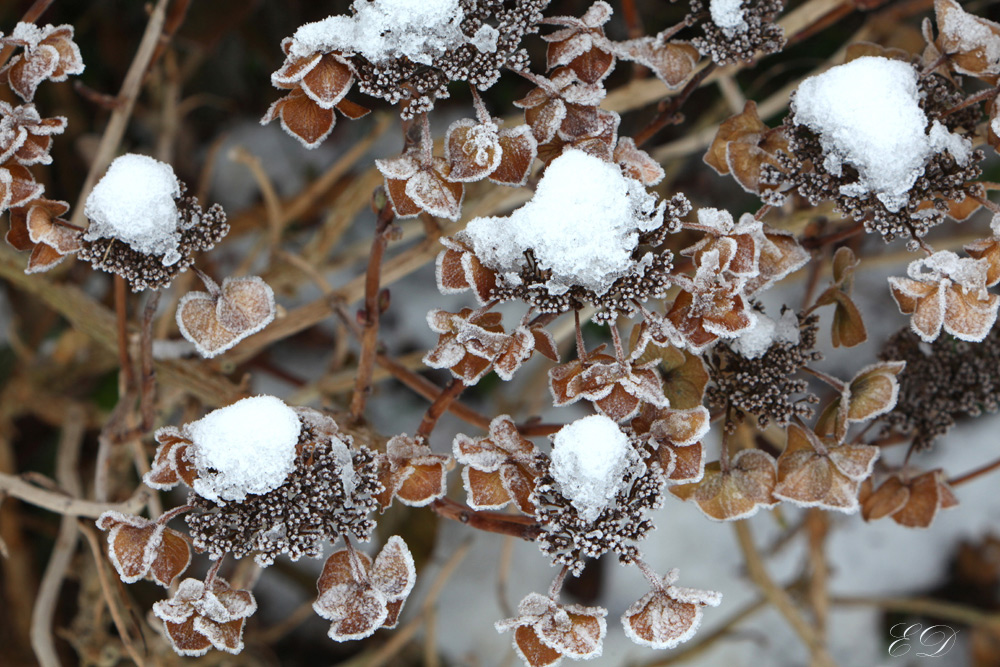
297,518
760,33
570,540
199,231
764,386
943,381
403,79
943,180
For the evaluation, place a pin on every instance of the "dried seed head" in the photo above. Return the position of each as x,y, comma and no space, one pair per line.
735,30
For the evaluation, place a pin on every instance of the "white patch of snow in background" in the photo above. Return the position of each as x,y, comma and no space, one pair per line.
134,203
383,30
867,115
245,448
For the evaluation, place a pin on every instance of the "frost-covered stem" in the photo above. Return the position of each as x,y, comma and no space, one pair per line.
482,114
973,99
514,525
616,339
479,312
147,385
34,12
986,202
817,527
426,140
655,580
820,375
668,111
724,448
779,596
761,212
439,407
581,349
213,572
557,583
973,474
121,315
371,312
933,65
170,514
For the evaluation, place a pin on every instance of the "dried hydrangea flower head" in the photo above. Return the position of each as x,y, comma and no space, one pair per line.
410,50
546,631
328,490
142,227
911,499
733,488
499,468
736,30
220,318
589,235
204,615
942,382
754,373
48,52
594,494
871,136
140,548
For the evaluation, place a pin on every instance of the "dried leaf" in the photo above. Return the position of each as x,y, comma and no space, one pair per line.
217,320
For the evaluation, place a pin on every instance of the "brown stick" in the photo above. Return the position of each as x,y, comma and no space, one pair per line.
125,382
491,522
973,474
371,312
439,407
668,112
147,385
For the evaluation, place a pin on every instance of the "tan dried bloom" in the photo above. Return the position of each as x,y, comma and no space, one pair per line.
472,343
172,464
38,227
482,150
546,631
412,473
139,547
971,43
359,597
220,318
17,187
949,292
203,615
911,501
675,436
617,388
26,137
48,53
499,468
417,182
817,473
668,615
737,491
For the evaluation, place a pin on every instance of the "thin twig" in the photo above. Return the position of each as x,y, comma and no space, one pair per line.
948,611
372,310
439,407
973,474
127,96
778,596
491,522
67,505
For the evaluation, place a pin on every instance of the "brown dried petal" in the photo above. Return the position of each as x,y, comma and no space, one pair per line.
185,639
217,320
971,42
745,125
28,70
885,500
431,190
519,148
967,316
924,301
531,649
637,163
302,118
472,149
873,390
328,81
172,558
671,62
734,494
425,484
575,631
667,616
989,250
393,572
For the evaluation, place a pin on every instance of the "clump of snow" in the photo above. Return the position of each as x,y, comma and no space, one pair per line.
728,15
867,115
764,333
345,466
383,30
582,224
589,459
134,203
28,33
245,448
